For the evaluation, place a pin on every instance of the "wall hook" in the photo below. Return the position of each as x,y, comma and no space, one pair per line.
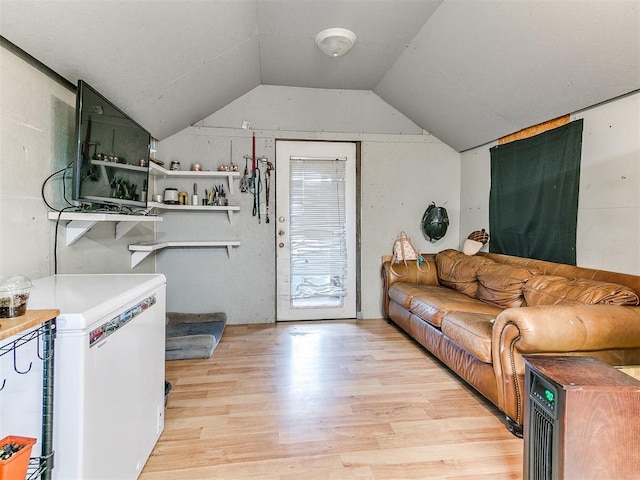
40,349
15,363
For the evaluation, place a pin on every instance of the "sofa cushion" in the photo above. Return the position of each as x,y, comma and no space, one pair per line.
459,271
403,292
502,284
555,290
471,331
435,302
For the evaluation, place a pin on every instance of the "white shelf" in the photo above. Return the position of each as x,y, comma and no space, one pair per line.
158,171
114,201
140,251
81,222
196,208
121,166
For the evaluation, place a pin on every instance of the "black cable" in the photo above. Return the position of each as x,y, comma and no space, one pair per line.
257,189
267,181
64,186
64,195
46,180
44,184
55,240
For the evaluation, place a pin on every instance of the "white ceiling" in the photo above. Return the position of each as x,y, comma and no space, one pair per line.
466,71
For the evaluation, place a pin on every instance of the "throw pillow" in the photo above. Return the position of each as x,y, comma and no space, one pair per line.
475,241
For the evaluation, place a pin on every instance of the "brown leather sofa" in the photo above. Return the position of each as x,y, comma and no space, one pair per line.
480,314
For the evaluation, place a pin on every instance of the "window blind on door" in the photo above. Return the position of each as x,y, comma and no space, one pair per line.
318,236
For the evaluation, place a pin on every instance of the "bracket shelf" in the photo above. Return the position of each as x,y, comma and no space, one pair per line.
80,223
230,209
158,171
140,251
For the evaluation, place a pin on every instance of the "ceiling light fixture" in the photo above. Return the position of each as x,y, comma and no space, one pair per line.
335,42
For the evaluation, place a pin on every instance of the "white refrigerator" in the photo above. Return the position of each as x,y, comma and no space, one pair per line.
108,372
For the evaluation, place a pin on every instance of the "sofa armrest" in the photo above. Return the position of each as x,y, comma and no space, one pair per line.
571,330
427,274
553,329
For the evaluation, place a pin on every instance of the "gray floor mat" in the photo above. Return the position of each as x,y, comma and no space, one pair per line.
190,336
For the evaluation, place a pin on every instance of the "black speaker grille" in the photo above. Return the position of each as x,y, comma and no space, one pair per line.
540,444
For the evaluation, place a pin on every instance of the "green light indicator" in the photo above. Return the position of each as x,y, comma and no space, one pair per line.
549,396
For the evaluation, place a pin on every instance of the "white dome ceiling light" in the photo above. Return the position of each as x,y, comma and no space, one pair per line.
335,42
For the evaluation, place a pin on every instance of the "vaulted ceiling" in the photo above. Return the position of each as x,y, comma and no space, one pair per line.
466,71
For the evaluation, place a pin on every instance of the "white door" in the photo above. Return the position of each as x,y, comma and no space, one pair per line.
315,230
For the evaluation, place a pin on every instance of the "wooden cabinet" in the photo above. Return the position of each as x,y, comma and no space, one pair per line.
582,420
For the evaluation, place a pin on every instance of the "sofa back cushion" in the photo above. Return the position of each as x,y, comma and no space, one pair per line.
459,271
555,290
568,271
502,284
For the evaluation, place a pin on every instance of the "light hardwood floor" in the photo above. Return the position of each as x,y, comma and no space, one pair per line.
327,400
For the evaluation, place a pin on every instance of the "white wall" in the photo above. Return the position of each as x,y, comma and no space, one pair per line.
313,110
403,170
608,234
400,178
609,201
206,279
37,138
475,184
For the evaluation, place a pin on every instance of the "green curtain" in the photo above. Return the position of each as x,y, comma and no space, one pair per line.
533,204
